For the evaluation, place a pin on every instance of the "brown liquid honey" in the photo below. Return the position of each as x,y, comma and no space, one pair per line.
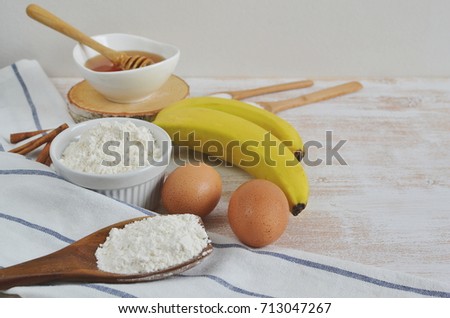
99,63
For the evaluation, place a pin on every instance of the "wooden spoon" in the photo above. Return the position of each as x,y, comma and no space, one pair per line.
314,97
123,60
241,94
77,262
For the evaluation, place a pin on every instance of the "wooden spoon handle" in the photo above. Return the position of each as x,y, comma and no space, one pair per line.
45,17
241,94
318,96
29,273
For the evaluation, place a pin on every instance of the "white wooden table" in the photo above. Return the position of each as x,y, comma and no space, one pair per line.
389,206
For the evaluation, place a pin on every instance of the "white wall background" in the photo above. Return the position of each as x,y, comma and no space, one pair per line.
284,38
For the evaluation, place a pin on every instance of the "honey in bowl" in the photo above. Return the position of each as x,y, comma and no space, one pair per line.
99,63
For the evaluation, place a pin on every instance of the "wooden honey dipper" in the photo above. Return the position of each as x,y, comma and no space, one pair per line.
123,60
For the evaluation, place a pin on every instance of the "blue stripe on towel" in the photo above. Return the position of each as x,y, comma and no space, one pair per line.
28,97
228,285
1,148
36,227
340,271
54,175
30,172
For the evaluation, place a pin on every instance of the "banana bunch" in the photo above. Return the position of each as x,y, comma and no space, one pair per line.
258,141
267,120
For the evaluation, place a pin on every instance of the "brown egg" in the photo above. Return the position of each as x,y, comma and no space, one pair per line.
258,213
193,188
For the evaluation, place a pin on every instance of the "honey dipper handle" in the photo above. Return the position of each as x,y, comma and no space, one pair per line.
47,18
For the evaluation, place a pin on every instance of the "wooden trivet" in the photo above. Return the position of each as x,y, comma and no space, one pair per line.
86,103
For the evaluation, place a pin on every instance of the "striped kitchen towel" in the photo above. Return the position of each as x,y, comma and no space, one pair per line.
28,101
41,213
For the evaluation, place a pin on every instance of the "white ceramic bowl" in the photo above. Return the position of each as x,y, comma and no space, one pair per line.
129,86
140,187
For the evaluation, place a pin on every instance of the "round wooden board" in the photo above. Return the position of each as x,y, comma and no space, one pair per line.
86,103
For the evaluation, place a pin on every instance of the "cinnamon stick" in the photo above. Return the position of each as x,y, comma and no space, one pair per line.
35,143
14,138
48,162
44,154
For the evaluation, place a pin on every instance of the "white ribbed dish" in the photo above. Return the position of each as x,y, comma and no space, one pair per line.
140,187
146,195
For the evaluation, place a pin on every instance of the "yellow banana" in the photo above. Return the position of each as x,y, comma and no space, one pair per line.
267,120
240,142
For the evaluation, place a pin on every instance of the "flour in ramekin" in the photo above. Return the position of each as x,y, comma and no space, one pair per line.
152,244
112,147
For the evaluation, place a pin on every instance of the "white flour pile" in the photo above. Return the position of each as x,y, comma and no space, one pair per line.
103,149
152,244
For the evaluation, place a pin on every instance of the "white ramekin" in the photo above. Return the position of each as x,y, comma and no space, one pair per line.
140,187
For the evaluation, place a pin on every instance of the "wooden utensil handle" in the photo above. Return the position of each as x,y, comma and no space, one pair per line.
29,273
10,281
45,17
314,97
241,94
